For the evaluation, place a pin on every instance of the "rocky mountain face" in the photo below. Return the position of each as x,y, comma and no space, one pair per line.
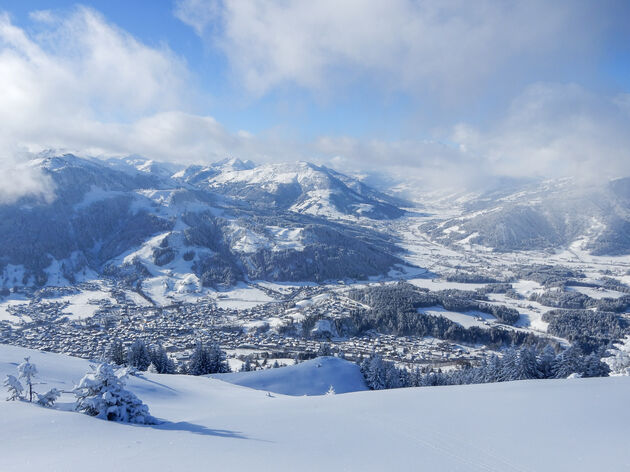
133,218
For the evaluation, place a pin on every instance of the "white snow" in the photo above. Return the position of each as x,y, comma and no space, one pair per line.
85,304
597,293
467,319
576,425
242,297
12,300
313,377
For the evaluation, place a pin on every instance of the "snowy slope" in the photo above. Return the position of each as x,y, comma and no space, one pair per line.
576,425
313,377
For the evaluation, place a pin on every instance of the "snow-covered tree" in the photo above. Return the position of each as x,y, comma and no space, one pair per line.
138,355
324,350
331,391
527,365
207,360
594,367
162,363
568,362
619,359
493,369
49,398
14,388
247,365
116,353
509,365
546,362
374,371
27,372
102,393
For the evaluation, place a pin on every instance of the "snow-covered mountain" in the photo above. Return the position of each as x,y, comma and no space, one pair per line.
135,219
300,187
548,215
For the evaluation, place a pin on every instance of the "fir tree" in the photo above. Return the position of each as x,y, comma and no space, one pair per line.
162,363
138,355
247,365
527,365
546,362
207,360
14,388
27,372
101,393
509,365
567,363
49,398
116,353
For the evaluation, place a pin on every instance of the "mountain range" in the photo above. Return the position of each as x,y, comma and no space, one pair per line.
134,218
548,215
212,226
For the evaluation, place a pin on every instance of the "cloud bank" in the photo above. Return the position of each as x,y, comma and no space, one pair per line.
80,84
456,48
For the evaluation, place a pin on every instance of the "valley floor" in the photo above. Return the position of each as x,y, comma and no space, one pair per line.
576,425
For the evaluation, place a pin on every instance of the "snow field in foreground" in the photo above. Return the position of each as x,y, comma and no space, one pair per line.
577,425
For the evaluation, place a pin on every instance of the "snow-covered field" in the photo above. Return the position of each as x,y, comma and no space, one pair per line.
572,425
467,319
313,377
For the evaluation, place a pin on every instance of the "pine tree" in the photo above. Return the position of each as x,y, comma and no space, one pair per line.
324,350
509,367
376,374
14,388
101,393
247,365
49,398
138,355
116,353
218,362
492,372
594,367
567,363
208,360
331,391
27,372
546,362
162,363
527,365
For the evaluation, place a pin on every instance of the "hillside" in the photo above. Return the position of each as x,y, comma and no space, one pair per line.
312,377
577,425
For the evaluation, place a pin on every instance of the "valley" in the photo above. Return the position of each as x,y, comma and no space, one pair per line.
137,296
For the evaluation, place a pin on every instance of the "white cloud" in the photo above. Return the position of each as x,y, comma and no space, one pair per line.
83,85
454,47
554,130
73,85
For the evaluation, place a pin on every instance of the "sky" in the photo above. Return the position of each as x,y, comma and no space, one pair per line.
446,92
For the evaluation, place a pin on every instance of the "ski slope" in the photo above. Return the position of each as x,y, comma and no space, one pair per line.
576,425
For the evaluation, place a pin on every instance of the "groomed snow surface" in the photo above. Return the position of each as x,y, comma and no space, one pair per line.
550,425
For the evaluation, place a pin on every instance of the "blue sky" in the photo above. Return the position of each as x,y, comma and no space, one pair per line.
424,88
